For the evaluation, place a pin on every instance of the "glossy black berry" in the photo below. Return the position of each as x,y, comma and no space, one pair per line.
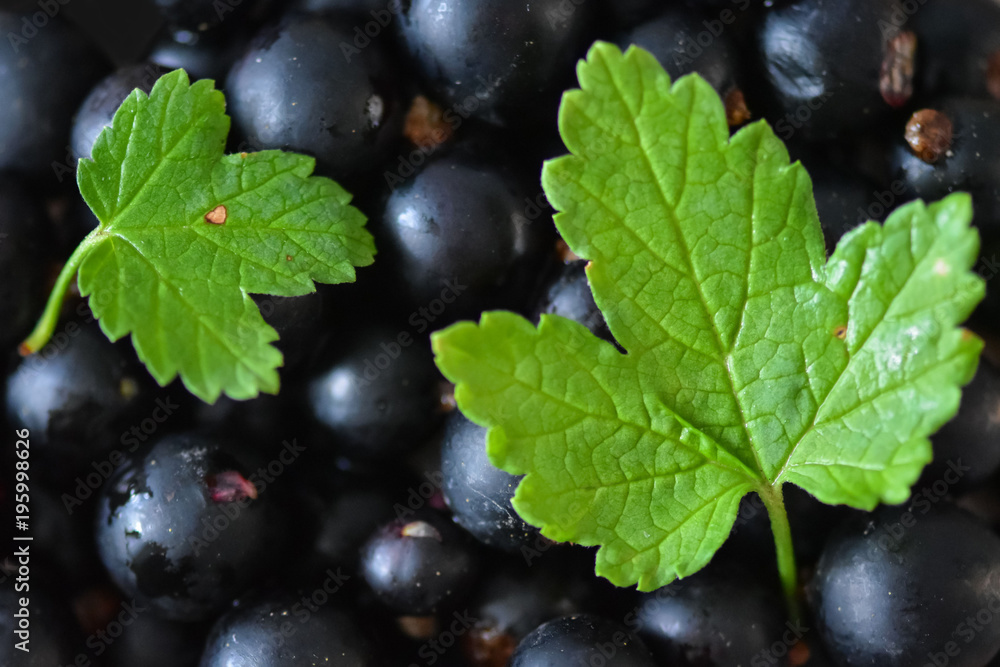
458,233
419,564
286,630
672,37
296,88
502,62
200,58
182,528
379,393
582,639
76,390
714,618
98,109
906,583
834,66
478,493
44,78
569,295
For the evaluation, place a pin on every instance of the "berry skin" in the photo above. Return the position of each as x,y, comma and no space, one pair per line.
478,493
75,391
376,396
568,295
283,631
295,89
671,37
582,639
830,65
713,618
181,528
524,54
98,110
905,583
419,564
457,231
44,79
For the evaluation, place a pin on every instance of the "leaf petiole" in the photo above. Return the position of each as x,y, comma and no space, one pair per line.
787,571
50,316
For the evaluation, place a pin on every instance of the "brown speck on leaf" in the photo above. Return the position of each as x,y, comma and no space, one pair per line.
217,215
929,133
288,258
737,112
840,332
243,155
993,74
425,124
895,80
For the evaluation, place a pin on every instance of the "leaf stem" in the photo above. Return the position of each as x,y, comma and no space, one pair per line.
50,316
787,571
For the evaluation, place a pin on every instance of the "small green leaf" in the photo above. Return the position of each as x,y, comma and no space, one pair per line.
187,234
751,361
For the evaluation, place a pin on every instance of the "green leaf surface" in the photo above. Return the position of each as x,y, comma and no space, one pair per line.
751,360
157,268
